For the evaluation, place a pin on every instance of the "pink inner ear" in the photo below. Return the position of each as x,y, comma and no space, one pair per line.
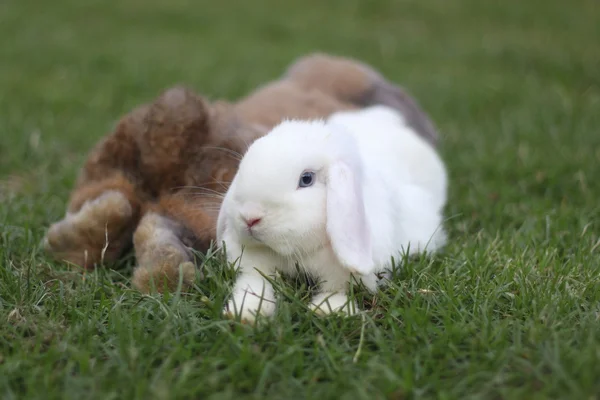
346,221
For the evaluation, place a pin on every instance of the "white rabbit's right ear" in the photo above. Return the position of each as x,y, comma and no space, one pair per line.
346,220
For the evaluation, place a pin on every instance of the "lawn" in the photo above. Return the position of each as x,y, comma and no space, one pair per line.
511,309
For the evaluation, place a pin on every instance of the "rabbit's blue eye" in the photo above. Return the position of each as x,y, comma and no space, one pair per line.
306,179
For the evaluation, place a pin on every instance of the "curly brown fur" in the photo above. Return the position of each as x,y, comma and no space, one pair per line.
157,181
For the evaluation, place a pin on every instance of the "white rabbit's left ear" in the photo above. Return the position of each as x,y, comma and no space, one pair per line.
346,221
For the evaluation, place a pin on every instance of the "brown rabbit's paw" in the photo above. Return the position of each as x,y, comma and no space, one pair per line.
164,277
162,257
98,232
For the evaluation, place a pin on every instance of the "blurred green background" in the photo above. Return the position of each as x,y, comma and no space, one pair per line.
513,85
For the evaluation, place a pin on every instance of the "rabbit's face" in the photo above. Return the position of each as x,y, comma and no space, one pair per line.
298,189
279,198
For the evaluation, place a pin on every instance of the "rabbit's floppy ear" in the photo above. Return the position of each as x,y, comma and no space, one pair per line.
346,220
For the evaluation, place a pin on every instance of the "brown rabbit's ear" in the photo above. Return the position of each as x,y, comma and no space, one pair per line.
176,125
176,111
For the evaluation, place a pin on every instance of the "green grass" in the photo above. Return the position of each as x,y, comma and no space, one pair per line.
510,310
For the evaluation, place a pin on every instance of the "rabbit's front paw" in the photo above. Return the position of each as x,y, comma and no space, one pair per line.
333,303
98,232
164,274
161,256
248,305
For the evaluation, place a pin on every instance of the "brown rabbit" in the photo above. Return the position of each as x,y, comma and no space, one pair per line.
156,182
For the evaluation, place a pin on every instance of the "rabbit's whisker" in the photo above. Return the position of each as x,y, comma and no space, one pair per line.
237,156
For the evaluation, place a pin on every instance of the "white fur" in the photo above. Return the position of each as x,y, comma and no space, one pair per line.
380,191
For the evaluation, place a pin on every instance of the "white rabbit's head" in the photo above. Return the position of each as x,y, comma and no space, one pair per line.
299,188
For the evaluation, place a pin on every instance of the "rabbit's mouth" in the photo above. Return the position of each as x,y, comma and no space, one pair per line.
251,235
255,237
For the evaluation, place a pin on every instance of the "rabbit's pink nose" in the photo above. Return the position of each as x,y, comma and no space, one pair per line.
252,221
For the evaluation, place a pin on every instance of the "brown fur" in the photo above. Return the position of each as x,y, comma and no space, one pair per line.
156,182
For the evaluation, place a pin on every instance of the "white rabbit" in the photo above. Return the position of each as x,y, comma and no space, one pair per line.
339,198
